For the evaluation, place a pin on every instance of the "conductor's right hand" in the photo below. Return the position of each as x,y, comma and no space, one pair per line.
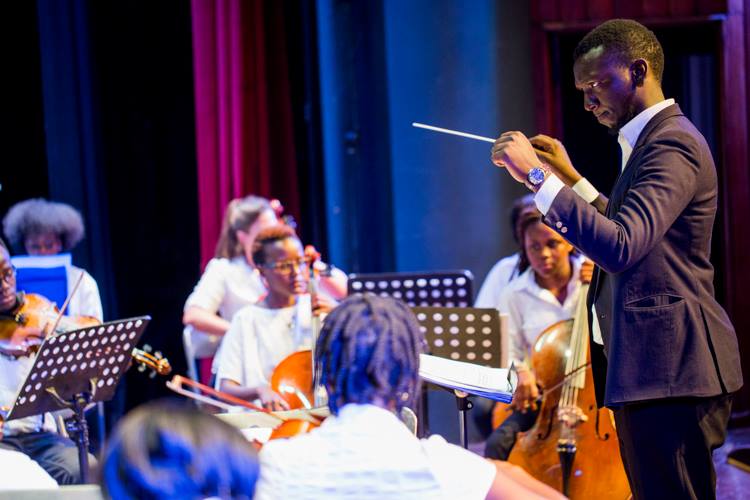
527,392
553,153
271,400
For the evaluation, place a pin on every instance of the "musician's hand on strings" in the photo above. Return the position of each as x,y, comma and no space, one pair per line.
527,392
21,342
323,304
514,152
271,400
587,271
553,153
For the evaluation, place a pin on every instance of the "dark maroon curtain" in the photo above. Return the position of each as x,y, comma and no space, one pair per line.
244,127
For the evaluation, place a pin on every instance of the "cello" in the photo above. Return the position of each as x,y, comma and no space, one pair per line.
573,445
295,377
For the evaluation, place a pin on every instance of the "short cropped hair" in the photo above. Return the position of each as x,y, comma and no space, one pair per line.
269,236
626,40
368,351
167,449
38,216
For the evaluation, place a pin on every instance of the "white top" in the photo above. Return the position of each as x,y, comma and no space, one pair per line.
258,339
366,452
22,473
227,285
86,301
626,138
13,373
531,309
496,280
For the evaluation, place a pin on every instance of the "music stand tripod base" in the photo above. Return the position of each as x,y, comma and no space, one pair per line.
75,368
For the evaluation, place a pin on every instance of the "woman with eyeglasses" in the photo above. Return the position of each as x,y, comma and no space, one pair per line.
231,279
263,334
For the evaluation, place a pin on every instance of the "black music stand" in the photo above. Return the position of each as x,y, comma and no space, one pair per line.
76,368
473,335
452,288
435,288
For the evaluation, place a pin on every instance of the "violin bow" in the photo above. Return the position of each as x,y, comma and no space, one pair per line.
67,301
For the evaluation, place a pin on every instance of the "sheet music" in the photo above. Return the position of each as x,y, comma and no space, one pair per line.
492,383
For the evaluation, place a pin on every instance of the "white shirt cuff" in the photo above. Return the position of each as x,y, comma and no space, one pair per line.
585,190
546,194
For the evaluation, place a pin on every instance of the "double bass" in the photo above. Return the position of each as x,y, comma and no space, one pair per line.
573,445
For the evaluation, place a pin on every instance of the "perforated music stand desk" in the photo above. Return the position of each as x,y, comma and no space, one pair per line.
472,335
75,368
434,288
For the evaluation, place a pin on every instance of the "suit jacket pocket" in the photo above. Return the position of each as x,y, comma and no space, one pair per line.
656,330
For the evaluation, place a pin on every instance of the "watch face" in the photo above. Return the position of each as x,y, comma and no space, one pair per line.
536,176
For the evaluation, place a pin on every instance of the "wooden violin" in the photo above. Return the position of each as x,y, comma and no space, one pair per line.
35,317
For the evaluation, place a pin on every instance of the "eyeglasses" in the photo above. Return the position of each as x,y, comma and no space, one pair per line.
289,266
8,276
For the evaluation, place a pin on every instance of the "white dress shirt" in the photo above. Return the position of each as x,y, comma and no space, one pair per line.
258,339
497,279
531,309
226,286
13,372
626,138
366,453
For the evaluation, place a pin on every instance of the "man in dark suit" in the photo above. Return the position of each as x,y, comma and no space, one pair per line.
664,352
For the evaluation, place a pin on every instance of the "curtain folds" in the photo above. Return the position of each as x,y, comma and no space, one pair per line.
244,127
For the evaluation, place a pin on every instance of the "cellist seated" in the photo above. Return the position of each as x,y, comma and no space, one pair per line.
263,334
368,357
33,436
547,292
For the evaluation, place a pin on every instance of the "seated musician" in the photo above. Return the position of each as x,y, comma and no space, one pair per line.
231,279
261,335
34,436
165,450
41,227
547,292
368,354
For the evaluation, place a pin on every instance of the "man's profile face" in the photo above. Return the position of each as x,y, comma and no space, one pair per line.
7,282
607,86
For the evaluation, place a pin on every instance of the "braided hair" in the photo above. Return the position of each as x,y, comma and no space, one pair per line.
368,352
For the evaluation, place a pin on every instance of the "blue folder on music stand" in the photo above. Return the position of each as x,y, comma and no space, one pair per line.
45,275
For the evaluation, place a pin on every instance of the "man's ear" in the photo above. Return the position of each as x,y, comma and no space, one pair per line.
638,71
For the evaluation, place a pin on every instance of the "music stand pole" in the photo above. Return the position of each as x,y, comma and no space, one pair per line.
464,404
80,426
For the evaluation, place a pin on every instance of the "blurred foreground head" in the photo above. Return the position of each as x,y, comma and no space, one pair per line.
169,450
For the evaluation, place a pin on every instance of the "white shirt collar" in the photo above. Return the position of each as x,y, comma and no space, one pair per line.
629,133
527,280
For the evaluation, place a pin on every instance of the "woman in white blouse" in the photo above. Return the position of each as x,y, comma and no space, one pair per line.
547,292
231,281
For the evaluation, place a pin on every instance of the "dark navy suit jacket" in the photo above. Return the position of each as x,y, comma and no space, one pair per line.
664,333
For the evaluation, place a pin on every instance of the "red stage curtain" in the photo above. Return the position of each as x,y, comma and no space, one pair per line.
244,128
